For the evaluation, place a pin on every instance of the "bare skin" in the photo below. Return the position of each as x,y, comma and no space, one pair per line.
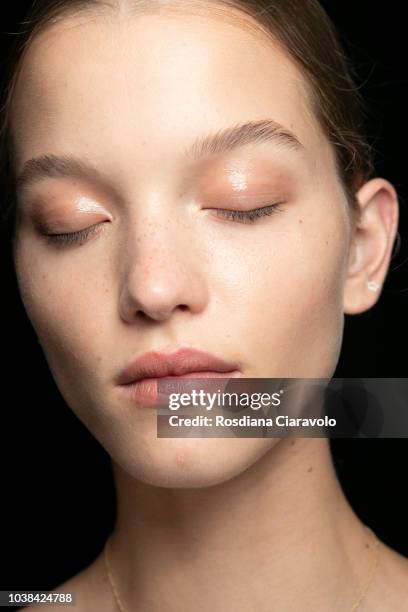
350,558
204,524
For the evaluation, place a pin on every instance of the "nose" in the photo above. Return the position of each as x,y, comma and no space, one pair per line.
161,274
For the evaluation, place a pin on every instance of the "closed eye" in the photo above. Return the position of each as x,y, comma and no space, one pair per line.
74,237
243,216
249,216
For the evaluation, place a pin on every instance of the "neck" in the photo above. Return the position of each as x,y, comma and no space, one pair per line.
279,533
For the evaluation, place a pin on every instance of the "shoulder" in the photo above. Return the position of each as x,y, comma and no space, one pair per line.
90,590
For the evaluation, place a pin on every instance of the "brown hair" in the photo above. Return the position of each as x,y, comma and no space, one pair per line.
304,30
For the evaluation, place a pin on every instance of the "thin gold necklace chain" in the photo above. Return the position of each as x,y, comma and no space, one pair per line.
371,576
110,577
355,605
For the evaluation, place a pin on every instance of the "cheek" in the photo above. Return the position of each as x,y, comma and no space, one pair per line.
290,313
63,306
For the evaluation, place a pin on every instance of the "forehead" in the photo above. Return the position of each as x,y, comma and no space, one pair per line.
147,84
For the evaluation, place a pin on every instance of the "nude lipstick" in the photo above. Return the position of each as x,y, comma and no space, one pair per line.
139,379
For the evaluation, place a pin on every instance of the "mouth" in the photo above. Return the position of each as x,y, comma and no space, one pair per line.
147,391
144,377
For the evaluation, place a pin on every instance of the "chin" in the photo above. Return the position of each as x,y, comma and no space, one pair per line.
191,462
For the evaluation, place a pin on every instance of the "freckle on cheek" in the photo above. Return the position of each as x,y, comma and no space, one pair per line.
180,459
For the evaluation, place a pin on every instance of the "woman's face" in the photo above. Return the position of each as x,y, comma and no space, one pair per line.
164,266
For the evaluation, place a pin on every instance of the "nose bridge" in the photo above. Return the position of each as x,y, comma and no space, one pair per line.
156,238
157,263
159,269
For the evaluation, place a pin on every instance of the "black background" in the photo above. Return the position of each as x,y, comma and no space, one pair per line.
57,490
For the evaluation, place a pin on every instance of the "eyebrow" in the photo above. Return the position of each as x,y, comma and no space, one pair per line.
55,166
252,132
222,141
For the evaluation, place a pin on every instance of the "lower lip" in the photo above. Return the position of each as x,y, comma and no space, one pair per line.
145,393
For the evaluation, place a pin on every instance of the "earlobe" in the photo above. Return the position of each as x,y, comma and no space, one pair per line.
371,245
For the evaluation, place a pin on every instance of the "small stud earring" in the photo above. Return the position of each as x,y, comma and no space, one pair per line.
373,286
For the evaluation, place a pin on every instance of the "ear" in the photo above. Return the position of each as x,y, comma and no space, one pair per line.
371,245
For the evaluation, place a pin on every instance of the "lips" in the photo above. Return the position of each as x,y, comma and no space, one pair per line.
184,361
139,378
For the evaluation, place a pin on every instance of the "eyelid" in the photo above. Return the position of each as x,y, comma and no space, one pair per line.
249,215
245,216
68,238
86,205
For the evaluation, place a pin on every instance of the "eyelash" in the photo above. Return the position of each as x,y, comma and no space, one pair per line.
73,237
246,216
249,216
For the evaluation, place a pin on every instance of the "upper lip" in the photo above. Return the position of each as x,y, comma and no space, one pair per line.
155,364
